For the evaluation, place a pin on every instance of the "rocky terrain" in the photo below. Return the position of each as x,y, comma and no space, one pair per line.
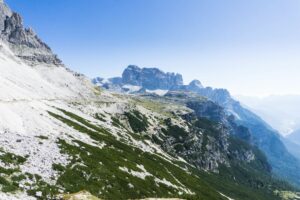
62,137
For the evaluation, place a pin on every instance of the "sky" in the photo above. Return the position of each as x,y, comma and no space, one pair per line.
249,47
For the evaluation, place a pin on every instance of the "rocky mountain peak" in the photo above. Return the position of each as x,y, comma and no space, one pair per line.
131,75
16,34
133,67
195,84
23,41
151,78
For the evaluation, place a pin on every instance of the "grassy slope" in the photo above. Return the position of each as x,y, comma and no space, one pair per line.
97,171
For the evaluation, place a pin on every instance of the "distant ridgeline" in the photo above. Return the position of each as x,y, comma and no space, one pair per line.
154,82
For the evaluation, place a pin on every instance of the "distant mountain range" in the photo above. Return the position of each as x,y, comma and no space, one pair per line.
146,80
282,113
294,137
292,142
152,81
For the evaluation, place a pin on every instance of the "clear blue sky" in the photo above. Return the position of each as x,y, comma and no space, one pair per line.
251,47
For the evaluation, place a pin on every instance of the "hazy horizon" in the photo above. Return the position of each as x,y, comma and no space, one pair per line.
281,112
223,44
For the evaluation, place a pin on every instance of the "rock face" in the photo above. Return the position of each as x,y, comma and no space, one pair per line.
23,41
16,34
4,12
151,78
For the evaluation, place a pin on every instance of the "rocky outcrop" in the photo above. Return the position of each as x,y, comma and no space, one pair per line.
16,34
23,41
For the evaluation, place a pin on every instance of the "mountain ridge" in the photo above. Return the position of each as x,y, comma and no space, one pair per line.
294,137
23,41
263,135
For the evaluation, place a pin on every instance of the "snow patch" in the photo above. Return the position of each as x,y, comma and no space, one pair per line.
131,88
158,92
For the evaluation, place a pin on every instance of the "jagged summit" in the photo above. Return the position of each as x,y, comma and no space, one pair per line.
135,79
23,41
20,49
151,78
195,85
